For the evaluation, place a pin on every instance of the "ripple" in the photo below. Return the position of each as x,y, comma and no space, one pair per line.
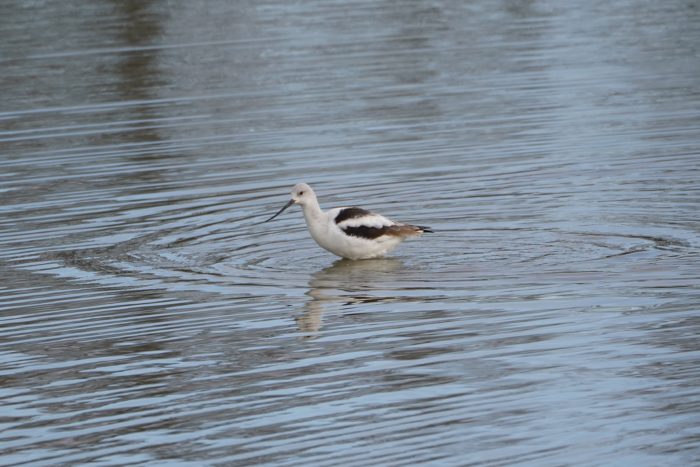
227,259
147,316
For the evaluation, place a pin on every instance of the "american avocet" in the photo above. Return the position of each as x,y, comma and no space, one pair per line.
352,233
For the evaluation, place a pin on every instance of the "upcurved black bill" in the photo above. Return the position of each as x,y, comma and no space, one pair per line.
291,201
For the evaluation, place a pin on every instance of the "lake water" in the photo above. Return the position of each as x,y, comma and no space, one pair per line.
149,319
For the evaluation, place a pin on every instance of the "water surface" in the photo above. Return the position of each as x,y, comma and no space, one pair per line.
149,319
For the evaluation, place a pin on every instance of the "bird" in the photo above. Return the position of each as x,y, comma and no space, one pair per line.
350,232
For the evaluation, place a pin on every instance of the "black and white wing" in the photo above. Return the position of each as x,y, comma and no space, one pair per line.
358,222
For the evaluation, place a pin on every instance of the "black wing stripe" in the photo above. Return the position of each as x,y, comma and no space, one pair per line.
350,213
365,231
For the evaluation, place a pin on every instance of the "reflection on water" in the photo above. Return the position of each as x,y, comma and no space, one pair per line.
146,317
347,283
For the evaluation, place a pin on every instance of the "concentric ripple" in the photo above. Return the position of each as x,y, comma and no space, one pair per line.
247,258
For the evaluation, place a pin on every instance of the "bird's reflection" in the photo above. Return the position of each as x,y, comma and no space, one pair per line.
344,282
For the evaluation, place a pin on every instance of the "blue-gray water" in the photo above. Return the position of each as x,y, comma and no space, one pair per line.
148,319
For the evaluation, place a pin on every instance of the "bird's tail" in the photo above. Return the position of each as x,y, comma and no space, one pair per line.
406,230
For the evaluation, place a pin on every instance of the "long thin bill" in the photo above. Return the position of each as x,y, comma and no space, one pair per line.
291,201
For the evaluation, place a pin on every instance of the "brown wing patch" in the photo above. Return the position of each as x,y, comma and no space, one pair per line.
405,230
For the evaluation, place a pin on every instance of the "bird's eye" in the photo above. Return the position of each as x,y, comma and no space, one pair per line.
301,193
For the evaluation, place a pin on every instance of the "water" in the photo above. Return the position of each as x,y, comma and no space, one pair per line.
552,319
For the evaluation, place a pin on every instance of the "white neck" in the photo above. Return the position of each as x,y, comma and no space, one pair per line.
312,212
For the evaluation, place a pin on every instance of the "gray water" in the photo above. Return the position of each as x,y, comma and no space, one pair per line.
149,319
